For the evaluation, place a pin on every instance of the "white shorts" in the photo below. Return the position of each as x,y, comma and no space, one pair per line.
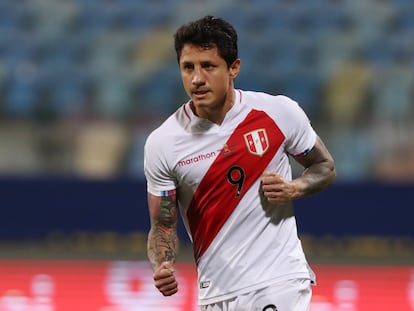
291,295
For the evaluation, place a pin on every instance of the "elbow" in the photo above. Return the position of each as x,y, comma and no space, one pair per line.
331,172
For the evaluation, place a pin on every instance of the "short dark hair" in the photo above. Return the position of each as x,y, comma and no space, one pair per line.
208,32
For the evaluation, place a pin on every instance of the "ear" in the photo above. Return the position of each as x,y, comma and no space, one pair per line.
235,68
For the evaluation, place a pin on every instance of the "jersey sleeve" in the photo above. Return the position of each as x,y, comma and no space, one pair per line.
301,137
156,166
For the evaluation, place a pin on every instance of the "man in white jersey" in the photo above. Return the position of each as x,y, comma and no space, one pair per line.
222,160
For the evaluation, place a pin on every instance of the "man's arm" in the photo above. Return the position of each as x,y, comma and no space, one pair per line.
163,241
319,173
319,170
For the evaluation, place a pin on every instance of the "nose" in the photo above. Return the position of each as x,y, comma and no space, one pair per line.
198,78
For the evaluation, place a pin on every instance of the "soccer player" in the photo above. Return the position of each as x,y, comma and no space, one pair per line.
222,161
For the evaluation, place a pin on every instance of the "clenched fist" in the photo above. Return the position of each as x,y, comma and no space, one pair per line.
277,189
164,279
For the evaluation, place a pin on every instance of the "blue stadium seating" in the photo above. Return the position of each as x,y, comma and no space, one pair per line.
278,35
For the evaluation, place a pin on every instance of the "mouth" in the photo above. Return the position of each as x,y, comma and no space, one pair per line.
200,93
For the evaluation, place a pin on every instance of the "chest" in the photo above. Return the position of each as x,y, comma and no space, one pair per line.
254,140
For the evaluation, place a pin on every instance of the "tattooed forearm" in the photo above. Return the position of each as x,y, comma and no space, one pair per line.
161,248
162,238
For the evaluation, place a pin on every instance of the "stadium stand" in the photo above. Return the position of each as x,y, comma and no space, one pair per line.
64,62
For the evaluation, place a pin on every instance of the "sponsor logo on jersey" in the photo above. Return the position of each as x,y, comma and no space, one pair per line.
197,158
227,150
257,141
205,284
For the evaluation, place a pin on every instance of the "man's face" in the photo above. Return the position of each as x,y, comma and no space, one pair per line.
206,77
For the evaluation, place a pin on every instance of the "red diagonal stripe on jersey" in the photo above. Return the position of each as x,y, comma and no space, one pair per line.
216,197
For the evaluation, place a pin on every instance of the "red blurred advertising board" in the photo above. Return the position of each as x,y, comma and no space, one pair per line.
43,285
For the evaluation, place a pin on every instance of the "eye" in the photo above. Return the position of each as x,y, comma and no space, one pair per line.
187,66
208,66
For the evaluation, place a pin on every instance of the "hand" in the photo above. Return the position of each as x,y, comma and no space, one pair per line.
276,189
164,279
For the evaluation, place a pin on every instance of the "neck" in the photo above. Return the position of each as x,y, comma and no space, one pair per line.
216,113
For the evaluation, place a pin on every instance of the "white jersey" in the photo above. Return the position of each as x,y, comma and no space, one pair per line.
241,242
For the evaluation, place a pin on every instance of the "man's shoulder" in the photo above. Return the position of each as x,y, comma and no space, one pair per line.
171,124
266,101
161,135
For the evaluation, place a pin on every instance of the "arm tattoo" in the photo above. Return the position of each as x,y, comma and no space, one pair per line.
162,238
319,170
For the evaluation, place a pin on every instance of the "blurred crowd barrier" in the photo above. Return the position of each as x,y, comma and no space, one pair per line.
51,285
83,82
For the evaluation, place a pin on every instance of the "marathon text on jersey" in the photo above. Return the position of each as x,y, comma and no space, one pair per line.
197,158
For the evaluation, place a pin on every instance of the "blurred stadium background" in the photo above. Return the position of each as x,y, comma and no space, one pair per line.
83,82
